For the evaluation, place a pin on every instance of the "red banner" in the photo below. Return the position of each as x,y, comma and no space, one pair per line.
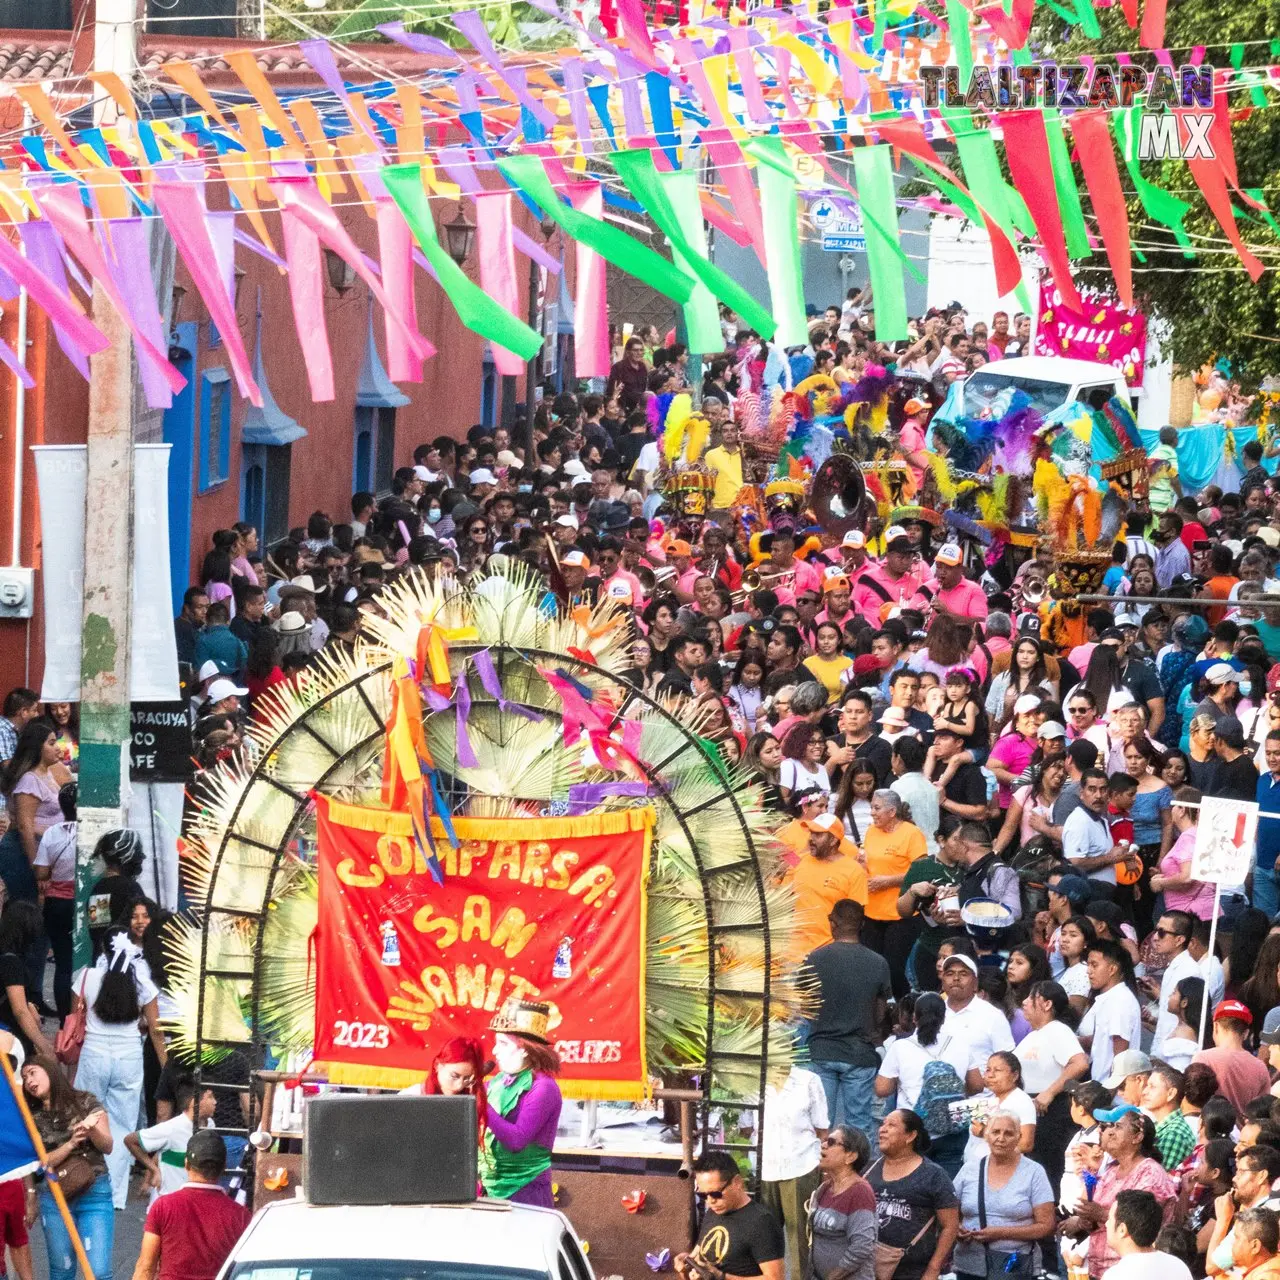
1103,332
542,908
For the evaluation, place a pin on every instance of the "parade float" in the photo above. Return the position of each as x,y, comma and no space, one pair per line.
472,806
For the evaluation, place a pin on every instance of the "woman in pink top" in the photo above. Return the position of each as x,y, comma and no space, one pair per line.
30,785
1013,751
1173,876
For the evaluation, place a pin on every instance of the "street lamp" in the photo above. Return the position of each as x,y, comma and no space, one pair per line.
342,275
459,236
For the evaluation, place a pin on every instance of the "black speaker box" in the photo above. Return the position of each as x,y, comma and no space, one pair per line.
390,1150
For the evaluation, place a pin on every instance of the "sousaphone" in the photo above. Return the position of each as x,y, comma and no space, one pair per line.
839,495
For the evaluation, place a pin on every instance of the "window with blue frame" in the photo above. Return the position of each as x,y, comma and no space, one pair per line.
215,427
362,462
488,390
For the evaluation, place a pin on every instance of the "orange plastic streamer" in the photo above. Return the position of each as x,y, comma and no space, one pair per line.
327,167
187,78
245,64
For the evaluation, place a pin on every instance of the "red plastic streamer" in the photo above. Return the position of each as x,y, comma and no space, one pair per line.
907,133
1092,131
1027,149
1151,35
1212,182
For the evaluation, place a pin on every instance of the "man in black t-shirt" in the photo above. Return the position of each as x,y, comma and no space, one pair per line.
739,1236
964,798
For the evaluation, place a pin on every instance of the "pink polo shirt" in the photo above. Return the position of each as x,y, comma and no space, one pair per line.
966,598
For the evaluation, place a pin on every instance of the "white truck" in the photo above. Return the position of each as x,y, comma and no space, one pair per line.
484,1240
1050,382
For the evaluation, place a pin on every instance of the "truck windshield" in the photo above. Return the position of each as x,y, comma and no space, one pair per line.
375,1269
983,387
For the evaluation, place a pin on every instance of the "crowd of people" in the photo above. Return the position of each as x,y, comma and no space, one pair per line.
1023,1053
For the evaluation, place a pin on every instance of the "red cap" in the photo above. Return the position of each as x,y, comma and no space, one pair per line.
865,663
1233,1009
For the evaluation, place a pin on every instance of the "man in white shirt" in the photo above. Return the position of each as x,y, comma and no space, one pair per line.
1133,1224
1086,834
1172,941
1114,1022
983,1025
1210,966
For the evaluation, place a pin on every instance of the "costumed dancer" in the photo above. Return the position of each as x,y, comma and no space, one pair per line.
523,1109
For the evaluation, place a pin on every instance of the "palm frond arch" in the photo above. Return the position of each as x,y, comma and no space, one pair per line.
718,1001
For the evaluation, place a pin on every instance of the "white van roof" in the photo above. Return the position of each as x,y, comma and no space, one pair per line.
495,1232
1053,369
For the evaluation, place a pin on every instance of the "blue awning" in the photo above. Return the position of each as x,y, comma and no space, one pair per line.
375,390
270,424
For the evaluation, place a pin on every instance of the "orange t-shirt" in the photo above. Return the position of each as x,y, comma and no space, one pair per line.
819,885
1219,588
890,853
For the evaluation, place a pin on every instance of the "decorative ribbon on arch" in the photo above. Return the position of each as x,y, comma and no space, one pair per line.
580,714
404,785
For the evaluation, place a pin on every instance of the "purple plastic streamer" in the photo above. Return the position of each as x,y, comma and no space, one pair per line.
632,109
471,24
9,357
222,231
585,796
466,756
418,43
320,56
130,265
44,250
575,87
483,662
8,287
254,246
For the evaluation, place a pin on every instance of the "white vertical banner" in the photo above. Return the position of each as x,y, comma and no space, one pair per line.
61,472
155,813
153,669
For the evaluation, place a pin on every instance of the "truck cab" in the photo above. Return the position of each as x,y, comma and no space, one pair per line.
1049,381
482,1240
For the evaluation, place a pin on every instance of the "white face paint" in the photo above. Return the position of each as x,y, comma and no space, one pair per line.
509,1055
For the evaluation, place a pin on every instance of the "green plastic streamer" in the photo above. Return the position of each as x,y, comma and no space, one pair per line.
475,308
781,215
961,40
1256,94
1082,15
613,245
982,175
671,200
701,314
1064,182
1166,209
873,172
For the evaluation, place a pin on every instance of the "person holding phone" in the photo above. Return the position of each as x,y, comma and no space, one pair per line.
739,1236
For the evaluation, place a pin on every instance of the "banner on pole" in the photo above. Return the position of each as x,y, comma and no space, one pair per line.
1226,835
539,908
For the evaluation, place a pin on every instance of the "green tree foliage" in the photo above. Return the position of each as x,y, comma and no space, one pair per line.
512,24
1209,302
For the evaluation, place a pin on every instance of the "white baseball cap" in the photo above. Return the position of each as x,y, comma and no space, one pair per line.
575,467
567,521
1027,702
1222,673
209,670
855,538
575,559
827,822
482,475
949,554
894,531
225,688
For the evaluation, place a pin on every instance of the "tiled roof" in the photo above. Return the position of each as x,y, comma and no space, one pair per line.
24,59
152,58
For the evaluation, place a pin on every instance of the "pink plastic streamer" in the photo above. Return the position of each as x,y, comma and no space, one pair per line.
635,28
222,231
306,292
130,240
395,252
744,60
44,293
45,250
304,199
182,209
62,206
731,165
9,358
498,267
590,308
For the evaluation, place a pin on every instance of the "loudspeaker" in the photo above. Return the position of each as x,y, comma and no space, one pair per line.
391,1150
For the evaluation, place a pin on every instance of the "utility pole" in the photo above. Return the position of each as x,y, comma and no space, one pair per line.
108,530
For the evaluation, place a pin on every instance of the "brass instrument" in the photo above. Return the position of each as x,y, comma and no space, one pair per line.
839,495
753,579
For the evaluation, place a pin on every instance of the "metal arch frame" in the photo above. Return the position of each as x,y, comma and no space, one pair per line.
504,651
